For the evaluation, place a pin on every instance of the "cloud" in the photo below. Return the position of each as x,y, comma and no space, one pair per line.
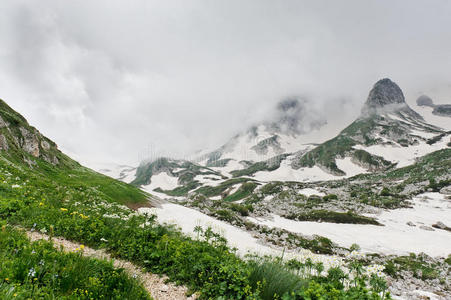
106,79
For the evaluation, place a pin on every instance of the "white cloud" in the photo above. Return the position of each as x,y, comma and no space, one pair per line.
105,79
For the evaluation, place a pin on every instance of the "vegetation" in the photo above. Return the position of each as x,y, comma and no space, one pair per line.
38,271
333,217
268,165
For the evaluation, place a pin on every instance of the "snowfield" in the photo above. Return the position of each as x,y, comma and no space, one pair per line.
163,181
404,156
396,237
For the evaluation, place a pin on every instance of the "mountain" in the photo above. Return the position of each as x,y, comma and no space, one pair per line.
387,134
295,144
443,110
29,154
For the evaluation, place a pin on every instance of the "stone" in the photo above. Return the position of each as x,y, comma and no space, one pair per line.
3,143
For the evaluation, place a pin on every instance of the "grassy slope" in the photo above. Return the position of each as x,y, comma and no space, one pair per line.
342,145
66,173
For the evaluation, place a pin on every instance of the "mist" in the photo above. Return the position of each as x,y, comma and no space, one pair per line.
106,80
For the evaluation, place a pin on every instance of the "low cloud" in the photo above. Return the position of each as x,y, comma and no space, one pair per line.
108,79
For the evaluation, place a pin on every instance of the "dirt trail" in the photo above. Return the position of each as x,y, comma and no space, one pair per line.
154,284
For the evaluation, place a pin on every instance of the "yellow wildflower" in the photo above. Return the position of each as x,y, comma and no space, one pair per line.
41,203
63,209
82,247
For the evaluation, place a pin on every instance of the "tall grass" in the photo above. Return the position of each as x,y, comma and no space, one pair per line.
274,278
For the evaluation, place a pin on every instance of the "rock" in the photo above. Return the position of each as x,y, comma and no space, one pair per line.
424,100
440,225
164,288
3,143
30,142
410,223
446,190
45,145
387,96
424,227
2,123
443,110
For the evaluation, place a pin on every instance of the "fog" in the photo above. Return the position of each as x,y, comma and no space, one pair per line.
106,80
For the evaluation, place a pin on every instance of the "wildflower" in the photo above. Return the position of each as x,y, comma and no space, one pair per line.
41,203
82,247
63,209
6,279
14,295
32,272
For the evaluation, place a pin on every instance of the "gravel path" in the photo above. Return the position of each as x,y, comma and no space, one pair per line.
154,284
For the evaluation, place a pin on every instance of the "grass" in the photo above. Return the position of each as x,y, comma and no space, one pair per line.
243,191
276,280
333,217
37,270
417,264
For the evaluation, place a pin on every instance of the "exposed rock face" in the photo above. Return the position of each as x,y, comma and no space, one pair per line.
424,100
3,143
384,92
45,145
2,123
443,110
30,142
387,97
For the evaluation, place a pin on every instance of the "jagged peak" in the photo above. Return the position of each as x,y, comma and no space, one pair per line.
384,94
387,97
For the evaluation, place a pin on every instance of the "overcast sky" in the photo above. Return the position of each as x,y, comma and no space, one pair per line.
107,79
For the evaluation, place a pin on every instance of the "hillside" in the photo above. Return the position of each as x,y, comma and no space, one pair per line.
44,191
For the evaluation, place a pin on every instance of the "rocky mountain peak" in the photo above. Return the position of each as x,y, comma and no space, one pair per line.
385,94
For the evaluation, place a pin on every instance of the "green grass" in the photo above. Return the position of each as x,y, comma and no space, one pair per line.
421,268
333,217
37,270
276,280
243,191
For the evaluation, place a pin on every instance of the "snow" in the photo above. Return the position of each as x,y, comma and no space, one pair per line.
286,173
232,165
404,156
187,219
396,237
208,179
350,168
429,117
163,181
309,192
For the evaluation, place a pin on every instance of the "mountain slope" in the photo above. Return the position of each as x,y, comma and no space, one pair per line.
387,123
28,154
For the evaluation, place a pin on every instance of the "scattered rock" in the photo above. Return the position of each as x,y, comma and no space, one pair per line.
410,223
164,288
440,225
424,227
446,190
